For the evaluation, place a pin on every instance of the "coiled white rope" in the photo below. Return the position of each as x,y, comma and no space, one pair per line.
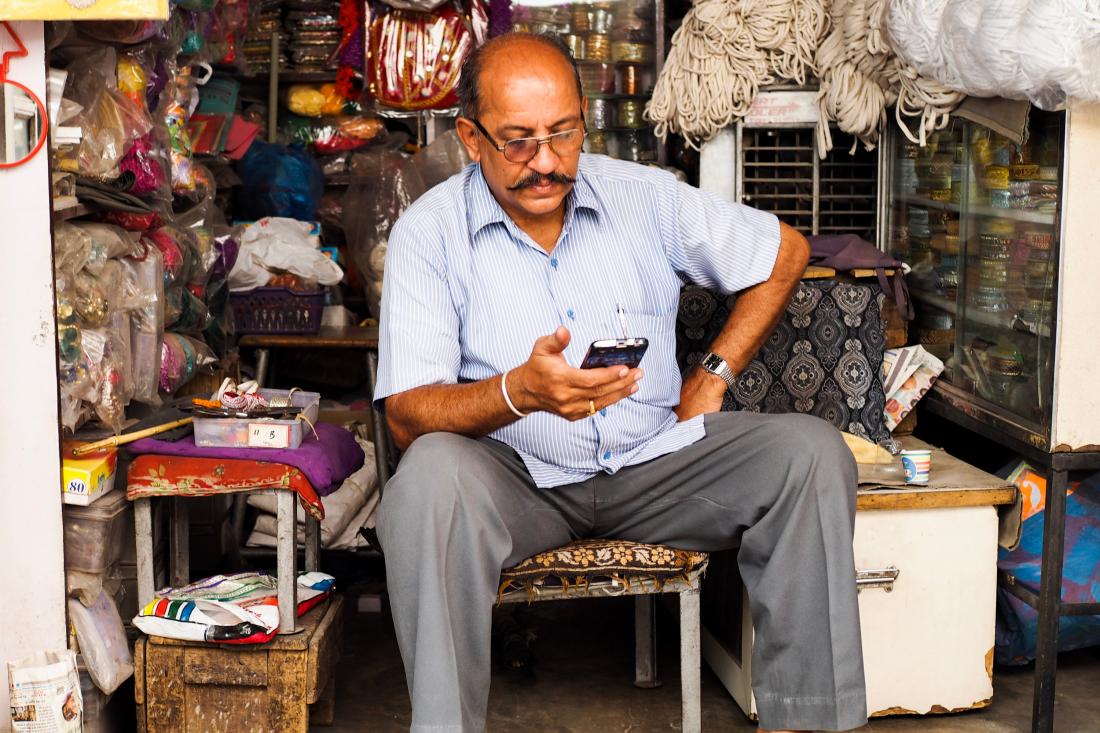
725,50
722,54
860,76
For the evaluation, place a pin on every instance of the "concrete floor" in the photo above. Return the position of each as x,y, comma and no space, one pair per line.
582,683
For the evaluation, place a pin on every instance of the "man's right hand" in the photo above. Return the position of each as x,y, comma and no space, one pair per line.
546,382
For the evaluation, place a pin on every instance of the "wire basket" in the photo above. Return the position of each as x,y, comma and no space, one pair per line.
276,310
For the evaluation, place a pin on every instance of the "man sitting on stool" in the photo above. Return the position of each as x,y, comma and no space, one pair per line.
496,282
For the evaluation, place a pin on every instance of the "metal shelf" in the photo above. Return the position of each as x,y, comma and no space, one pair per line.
1003,321
1034,217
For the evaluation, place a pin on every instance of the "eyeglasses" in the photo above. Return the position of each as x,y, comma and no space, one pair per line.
524,149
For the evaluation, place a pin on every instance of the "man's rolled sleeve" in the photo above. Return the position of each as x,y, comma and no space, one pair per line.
418,332
720,244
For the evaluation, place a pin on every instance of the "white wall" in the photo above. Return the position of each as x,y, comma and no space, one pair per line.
1076,401
32,583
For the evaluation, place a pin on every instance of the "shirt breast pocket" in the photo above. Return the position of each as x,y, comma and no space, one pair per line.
661,384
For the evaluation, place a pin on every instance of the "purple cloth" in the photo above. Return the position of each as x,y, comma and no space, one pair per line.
326,460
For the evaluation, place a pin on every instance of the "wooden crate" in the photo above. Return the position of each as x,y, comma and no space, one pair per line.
188,687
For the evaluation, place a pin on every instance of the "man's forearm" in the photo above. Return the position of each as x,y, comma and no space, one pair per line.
473,409
760,307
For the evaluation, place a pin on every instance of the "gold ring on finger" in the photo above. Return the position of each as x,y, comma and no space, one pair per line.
591,407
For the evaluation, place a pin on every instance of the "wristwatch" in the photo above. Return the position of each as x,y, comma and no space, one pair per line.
717,365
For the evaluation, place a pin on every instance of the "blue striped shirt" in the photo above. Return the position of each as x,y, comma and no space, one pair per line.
467,293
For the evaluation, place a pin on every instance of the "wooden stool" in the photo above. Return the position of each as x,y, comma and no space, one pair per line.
179,551
601,568
193,687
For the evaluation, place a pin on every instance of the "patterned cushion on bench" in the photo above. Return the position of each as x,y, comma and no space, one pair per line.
824,358
581,563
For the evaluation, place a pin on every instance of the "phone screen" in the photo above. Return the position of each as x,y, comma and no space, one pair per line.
615,352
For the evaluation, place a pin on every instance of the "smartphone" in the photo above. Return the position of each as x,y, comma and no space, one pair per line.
615,352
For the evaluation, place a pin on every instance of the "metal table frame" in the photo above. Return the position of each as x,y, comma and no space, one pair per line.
1048,602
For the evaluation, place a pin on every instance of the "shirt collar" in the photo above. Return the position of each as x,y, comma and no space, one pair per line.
482,209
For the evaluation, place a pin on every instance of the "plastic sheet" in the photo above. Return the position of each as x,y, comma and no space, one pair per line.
385,183
974,46
147,323
180,358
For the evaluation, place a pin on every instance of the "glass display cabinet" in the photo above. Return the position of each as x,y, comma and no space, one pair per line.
977,217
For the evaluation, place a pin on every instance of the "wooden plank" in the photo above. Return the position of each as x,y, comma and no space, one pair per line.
343,337
817,272
208,666
907,499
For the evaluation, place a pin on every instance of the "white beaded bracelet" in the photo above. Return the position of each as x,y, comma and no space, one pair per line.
507,399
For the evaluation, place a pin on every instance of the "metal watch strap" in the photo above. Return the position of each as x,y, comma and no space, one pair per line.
717,365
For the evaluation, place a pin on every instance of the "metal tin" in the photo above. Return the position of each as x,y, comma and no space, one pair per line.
1000,199
1023,171
601,113
630,114
596,142
597,47
636,53
575,44
1040,240
597,78
581,22
996,176
627,79
995,247
1048,173
600,20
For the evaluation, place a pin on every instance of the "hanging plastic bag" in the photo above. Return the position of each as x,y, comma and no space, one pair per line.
278,181
102,642
44,690
416,57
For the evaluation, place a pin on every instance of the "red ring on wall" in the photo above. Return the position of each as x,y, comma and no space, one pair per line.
45,124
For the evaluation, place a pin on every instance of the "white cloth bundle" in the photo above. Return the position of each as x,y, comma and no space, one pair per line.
346,509
1047,51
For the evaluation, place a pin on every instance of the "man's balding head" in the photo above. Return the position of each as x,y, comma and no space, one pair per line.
501,50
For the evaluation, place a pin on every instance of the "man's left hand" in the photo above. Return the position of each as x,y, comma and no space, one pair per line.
702,392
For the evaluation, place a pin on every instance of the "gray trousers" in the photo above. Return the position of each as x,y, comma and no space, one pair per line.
779,487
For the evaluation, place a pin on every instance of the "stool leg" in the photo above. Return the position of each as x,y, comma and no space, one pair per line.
645,643
690,670
263,359
180,543
379,427
287,557
143,542
313,544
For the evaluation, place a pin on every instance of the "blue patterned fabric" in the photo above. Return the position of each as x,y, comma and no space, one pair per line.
467,294
1017,622
824,357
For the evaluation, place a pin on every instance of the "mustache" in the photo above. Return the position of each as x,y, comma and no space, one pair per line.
537,179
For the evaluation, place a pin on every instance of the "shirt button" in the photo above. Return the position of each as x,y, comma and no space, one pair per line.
607,455
554,262
571,314
603,412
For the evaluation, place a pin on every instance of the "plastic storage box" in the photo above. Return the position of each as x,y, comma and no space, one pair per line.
228,432
94,533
